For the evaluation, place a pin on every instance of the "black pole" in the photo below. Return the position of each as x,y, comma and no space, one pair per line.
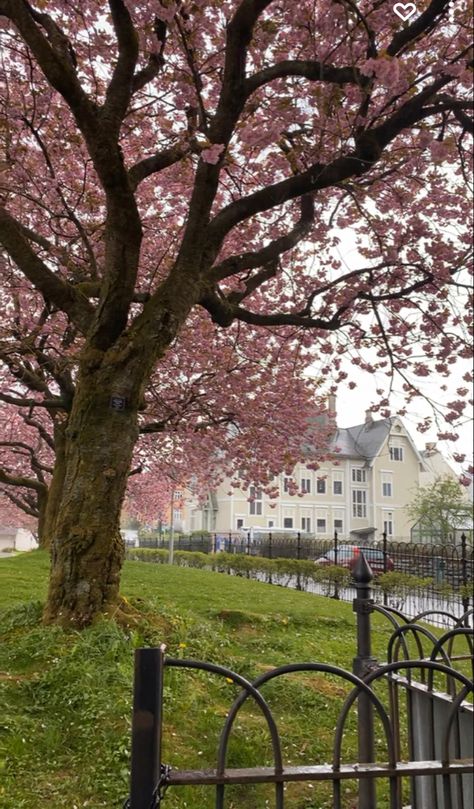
385,566
363,663
336,559
298,556
464,577
146,726
270,555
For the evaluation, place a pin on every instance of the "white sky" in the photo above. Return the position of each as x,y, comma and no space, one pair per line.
352,404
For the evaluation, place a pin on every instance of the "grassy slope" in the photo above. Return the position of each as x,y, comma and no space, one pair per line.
64,735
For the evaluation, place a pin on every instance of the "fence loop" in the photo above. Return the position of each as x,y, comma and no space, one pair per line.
161,787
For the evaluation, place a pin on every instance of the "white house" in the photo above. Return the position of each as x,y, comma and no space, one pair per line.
362,492
17,539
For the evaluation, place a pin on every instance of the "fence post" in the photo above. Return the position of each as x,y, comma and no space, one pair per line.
146,726
336,559
363,663
384,539
248,543
464,577
298,556
270,580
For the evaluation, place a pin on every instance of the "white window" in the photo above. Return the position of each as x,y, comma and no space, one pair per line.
271,524
359,475
387,485
338,521
240,522
321,525
255,500
359,503
321,486
306,485
337,482
176,514
306,523
287,522
388,523
286,484
396,453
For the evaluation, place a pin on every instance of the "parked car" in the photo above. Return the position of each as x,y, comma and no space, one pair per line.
347,556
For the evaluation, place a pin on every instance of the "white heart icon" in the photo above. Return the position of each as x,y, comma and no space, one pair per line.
404,10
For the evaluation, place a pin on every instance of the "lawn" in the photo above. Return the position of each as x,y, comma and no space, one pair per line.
66,696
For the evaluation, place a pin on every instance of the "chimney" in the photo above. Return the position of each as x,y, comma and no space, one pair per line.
332,406
369,419
430,447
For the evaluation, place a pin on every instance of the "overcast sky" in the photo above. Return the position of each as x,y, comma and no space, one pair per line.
352,404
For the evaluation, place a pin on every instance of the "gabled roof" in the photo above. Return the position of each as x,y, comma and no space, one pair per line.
363,441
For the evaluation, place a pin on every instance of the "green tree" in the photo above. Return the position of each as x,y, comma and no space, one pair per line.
440,508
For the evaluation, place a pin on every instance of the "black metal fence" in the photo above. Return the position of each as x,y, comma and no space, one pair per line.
445,568
449,562
426,736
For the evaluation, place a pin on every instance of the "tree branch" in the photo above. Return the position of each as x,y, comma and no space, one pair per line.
25,505
419,26
157,162
312,70
21,480
155,60
271,251
369,146
53,289
54,56
120,89
49,404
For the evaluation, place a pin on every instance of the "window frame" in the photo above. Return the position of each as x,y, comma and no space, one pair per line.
394,449
337,477
359,504
359,470
303,482
306,519
323,483
256,504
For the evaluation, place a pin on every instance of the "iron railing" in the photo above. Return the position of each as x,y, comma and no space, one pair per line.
446,571
426,735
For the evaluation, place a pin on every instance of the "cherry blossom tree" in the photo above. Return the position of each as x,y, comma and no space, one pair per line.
25,471
175,175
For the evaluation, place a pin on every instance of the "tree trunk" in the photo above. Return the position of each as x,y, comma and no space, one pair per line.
87,550
42,509
50,507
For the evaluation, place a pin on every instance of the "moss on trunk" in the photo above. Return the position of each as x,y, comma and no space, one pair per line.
86,546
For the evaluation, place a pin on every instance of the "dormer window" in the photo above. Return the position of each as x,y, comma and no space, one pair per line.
396,453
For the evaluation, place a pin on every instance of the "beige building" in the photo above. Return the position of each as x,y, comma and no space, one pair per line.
363,492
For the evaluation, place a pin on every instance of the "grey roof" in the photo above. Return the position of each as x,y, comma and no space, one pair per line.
362,441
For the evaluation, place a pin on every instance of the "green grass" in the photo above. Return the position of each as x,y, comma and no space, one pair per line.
66,696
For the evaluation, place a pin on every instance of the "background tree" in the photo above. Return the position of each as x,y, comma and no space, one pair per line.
441,509
178,168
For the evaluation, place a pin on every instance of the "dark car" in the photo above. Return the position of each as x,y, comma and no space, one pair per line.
347,556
